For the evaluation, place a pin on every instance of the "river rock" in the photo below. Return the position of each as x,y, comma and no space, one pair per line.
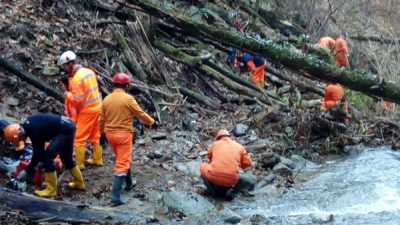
229,216
287,162
320,218
246,181
268,190
192,204
154,196
157,154
159,136
202,153
51,70
191,168
12,101
269,160
240,130
283,170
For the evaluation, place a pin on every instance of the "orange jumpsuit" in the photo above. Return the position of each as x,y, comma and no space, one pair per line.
226,157
70,109
255,64
326,42
341,51
333,94
116,117
86,97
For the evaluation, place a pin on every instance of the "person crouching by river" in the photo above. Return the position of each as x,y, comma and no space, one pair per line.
222,173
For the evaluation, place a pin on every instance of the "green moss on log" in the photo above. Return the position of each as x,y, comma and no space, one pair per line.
308,64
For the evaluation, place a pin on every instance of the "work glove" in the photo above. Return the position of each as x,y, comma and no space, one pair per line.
155,125
103,140
22,176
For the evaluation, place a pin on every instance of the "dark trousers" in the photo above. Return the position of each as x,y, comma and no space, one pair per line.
63,145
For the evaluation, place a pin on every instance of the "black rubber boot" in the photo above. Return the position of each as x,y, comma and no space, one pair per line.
229,196
116,191
210,187
130,183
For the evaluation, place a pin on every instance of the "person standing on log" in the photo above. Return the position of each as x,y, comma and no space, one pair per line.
60,132
85,95
341,51
326,42
116,117
222,173
250,63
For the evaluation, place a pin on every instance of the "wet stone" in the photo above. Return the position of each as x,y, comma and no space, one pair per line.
159,136
240,130
202,153
282,170
230,217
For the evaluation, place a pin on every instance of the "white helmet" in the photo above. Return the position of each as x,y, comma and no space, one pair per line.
66,57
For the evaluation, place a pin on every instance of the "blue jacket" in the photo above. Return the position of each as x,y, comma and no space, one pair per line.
246,57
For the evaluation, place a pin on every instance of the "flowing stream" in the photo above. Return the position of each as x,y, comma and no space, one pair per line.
359,189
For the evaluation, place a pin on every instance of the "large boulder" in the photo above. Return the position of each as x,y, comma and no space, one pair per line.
192,204
246,181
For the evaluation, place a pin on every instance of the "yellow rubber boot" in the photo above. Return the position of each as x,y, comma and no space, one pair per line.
78,179
51,186
80,156
97,159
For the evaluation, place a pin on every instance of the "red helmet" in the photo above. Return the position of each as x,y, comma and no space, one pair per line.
121,78
11,133
221,133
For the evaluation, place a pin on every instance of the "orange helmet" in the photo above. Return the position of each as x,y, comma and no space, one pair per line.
221,133
11,133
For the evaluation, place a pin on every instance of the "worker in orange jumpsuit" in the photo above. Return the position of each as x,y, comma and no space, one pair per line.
326,42
85,95
116,117
333,95
69,108
222,173
386,107
250,63
341,51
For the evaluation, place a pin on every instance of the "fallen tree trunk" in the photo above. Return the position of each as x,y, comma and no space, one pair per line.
381,39
47,210
307,64
201,99
188,60
20,72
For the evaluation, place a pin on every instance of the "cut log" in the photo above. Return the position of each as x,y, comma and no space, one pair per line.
200,99
24,75
48,210
306,64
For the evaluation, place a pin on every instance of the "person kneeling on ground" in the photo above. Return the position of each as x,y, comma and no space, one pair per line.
222,173
42,128
115,122
333,96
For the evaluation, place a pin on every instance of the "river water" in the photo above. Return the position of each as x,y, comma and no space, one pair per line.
360,189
